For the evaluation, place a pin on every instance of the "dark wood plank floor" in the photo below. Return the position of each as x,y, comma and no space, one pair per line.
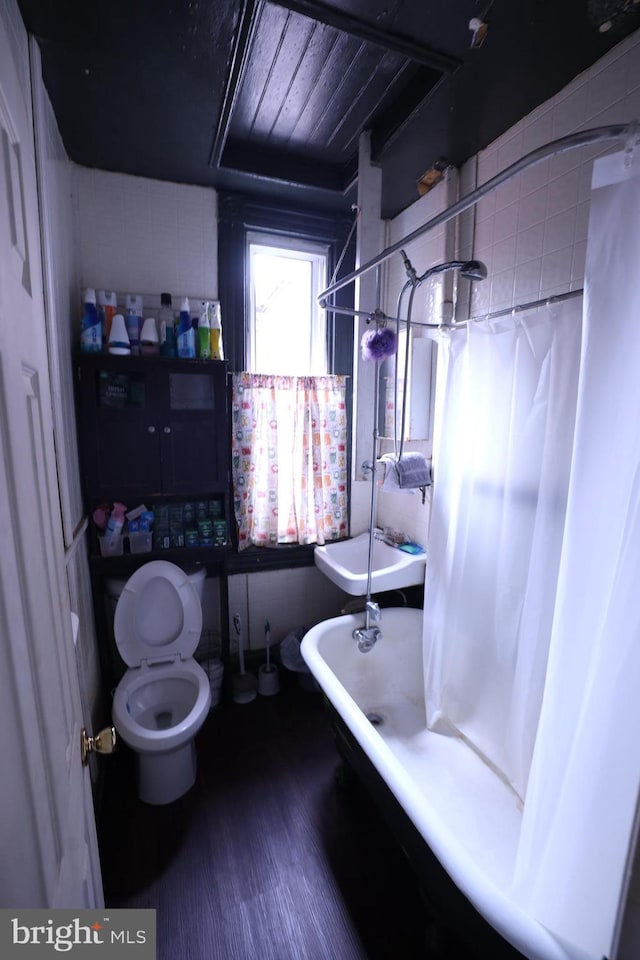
272,855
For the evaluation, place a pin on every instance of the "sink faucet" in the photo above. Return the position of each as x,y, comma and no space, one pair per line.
366,637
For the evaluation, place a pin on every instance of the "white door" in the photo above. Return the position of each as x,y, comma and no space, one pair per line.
48,848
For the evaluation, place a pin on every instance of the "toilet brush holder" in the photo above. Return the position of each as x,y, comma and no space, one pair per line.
243,687
268,680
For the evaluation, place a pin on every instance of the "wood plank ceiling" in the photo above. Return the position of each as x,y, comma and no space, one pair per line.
271,96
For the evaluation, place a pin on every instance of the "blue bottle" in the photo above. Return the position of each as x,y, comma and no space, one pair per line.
186,333
134,321
91,330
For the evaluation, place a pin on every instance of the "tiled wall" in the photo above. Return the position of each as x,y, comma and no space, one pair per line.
406,511
146,236
532,231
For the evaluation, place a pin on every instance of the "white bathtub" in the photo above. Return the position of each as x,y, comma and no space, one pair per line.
468,817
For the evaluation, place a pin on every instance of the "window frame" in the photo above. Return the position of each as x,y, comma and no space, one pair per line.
238,215
310,251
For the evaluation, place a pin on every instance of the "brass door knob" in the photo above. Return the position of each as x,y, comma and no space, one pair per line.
103,742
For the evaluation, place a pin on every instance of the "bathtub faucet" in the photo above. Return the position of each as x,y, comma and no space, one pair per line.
366,637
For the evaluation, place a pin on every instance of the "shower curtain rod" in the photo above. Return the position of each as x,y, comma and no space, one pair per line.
620,131
520,308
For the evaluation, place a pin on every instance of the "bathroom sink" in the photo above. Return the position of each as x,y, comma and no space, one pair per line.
345,564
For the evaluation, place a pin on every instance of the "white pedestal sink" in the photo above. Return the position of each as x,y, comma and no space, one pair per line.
345,564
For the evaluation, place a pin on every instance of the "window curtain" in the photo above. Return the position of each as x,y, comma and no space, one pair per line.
289,459
581,806
505,416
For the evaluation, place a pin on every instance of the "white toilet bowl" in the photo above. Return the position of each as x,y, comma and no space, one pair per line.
163,698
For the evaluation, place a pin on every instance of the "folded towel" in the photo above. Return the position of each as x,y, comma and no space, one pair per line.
407,472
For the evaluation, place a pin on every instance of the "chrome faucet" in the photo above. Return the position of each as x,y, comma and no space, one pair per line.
366,637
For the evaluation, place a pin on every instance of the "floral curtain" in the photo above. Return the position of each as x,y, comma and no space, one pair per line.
289,458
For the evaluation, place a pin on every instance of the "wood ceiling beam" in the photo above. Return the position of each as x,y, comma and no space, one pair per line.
394,42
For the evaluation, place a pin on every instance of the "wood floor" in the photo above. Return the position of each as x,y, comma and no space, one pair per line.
274,854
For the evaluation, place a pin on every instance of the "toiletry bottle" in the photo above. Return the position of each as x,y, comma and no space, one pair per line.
91,331
167,327
134,321
217,353
186,333
115,522
107,309
118,337
204,332
149,338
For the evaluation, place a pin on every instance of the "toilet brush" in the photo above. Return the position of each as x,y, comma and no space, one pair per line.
268,679
243,683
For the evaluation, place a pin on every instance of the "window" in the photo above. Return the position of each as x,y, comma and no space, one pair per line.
286,329
291,367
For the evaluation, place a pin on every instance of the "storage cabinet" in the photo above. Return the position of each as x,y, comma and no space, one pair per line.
152,427
154,430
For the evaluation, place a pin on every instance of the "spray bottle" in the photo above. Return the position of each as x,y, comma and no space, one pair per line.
186,333
115,522
217,353
204,332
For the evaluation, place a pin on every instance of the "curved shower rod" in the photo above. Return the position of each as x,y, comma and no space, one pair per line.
620,131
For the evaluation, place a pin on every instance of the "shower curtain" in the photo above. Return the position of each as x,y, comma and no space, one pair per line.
581,804
505,414
532,601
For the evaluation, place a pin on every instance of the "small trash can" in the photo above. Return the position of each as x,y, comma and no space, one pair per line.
292,659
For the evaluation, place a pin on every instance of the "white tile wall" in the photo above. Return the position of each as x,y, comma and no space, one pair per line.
531,231
146,236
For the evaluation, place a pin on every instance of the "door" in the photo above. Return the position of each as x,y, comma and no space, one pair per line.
48,848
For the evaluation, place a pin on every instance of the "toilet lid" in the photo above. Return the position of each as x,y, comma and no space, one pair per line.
158,615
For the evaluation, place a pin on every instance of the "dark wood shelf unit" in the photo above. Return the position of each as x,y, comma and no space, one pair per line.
153,430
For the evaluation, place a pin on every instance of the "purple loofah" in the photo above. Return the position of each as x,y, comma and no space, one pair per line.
378,344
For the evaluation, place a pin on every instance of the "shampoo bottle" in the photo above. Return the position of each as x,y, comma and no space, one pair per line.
186,333
91,331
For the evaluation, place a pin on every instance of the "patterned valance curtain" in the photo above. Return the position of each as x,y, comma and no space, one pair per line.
289,459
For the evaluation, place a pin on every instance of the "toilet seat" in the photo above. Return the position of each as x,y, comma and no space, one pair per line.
158,616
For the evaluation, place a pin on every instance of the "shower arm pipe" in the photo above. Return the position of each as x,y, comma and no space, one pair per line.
620,131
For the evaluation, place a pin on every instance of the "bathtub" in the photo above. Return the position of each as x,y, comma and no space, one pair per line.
461,818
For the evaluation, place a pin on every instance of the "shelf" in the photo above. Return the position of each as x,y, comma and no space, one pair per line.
128,562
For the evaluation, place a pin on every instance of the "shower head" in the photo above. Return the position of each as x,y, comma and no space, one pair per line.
470,269
474,270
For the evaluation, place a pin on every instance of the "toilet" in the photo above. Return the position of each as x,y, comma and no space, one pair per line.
163,698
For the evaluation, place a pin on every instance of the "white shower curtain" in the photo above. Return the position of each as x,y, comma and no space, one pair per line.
532,599
505,419
580,809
